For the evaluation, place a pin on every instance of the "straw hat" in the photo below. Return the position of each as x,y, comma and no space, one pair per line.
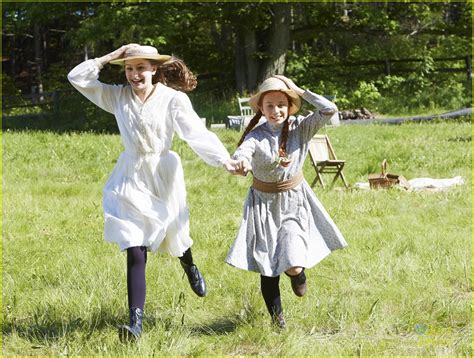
275,84
146,52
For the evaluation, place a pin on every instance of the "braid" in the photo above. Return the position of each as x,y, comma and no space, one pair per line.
253,122
284,132
284,139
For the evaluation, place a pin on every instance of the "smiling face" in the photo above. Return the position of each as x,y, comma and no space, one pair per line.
139,73
274,107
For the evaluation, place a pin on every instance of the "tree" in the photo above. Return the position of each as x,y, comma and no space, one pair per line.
234,46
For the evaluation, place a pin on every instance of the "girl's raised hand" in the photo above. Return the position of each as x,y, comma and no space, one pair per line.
291,85
118,53
121,51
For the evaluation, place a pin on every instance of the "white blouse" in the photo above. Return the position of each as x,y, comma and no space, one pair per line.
145,197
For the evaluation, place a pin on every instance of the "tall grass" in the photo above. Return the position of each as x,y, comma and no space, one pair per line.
403,286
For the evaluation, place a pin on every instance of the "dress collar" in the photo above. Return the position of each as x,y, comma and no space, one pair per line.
275,127
151,95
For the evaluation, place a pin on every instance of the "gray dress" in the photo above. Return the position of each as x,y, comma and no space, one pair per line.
282,230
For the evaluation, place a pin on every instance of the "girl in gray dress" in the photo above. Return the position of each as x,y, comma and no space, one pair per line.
284,227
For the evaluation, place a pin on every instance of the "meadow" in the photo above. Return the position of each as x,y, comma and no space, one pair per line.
403,286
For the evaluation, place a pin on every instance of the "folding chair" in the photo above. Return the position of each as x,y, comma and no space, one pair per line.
324,160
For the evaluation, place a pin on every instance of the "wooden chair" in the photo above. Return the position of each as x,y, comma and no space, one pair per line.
245,109
324,160
246,112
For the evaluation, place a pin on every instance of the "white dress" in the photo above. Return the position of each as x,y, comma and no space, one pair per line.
292,228
144,199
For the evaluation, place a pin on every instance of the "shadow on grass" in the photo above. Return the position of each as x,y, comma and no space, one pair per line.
223,326
45,329
220,326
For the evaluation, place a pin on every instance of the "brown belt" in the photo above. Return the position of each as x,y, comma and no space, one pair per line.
278,187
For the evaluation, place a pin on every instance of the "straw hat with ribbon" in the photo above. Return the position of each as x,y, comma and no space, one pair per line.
275,84
145,52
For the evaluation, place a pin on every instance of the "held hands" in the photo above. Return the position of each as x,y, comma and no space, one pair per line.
291,85
236,167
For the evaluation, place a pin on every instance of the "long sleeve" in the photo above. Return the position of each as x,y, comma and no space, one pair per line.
85,78
190,128
246,149
325,110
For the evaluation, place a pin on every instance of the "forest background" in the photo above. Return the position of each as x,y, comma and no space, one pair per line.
389,57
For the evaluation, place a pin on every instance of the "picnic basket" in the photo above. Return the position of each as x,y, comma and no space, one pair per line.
387,180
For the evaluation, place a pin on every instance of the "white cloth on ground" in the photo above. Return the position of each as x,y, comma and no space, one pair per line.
424,184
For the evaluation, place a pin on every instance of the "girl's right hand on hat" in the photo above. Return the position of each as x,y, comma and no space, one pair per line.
118,53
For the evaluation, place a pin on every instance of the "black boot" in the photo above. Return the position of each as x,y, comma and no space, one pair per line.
133,331
298,283
278,320
195,279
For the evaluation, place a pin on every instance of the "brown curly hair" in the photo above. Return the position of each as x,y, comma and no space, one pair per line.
175,74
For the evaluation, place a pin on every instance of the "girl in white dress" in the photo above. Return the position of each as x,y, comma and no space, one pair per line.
284,227
144,199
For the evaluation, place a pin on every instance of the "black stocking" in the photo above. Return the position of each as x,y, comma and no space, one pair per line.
136,283
271,294
187,257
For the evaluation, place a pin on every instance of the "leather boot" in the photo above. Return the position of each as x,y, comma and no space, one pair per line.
134,330
298,283
278,320
195,279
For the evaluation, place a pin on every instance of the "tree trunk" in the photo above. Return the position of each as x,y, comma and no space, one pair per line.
240,65
252,63
12,57
38,58
278,41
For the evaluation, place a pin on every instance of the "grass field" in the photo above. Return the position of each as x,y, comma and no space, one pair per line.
402,286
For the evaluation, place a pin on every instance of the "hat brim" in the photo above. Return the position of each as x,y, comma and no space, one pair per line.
295,100
159,58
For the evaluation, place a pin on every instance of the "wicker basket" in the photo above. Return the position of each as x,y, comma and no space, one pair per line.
387,180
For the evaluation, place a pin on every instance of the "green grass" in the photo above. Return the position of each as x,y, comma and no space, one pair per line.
401,287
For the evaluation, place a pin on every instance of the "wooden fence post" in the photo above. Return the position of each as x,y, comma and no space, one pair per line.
387,67
469,67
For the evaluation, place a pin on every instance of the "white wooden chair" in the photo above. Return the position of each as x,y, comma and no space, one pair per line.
246,114
245,109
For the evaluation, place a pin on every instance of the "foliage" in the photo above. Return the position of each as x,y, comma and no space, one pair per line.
229,46
402,287
366,95
383,31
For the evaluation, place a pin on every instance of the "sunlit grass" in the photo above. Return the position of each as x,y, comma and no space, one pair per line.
402,287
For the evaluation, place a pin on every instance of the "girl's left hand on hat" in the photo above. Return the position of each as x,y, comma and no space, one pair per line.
291,85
